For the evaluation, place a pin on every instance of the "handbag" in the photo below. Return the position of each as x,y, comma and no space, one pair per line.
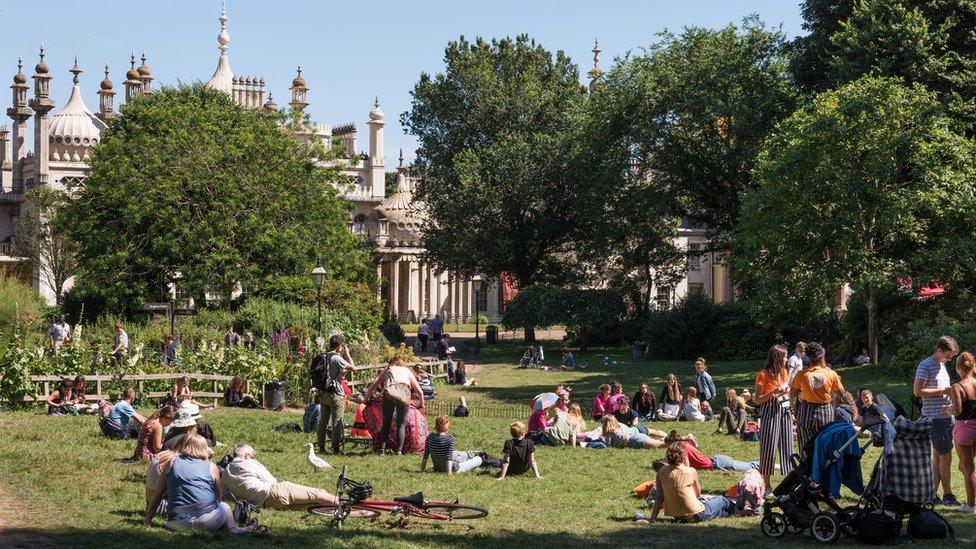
929,524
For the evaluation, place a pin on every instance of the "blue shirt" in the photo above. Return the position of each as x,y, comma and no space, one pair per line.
121,413
705,386
935,376
436,325
190,488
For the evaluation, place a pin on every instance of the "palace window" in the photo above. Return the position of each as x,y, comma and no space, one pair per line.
359,224
694,256
663,298
482,297
696,288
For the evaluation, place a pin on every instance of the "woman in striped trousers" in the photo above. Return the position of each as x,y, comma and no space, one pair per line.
775,419
813,388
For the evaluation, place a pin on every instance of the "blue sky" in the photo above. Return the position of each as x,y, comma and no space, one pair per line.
350,50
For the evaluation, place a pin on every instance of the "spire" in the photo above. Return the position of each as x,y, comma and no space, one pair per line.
299,92
75,70
595,73
42,102
376,115
223,38
401,157
223,77
133,83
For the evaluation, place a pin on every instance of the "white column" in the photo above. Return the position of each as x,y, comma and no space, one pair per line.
395,288
439,294
453,291
412,287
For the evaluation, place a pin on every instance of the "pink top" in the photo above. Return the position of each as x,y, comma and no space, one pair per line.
562,407
537,421
600,405
613,402
752,486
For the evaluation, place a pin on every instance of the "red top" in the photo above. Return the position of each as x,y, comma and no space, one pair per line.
697,459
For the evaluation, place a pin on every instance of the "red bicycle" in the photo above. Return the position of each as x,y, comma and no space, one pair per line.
354,502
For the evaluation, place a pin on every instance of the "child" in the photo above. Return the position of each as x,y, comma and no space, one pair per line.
600,402
440,449
461,376
691,409
538,420
519,453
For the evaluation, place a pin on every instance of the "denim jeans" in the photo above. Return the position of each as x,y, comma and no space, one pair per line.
716,507
725,463
450,370
465,461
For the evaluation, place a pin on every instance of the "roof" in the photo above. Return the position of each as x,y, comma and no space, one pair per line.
75,124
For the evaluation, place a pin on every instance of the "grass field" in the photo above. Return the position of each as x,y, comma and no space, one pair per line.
61,483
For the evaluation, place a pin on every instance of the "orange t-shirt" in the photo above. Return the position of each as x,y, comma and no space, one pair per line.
816,384
767,383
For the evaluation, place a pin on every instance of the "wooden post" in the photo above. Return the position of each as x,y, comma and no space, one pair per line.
141,392
47,391
98,386
215,390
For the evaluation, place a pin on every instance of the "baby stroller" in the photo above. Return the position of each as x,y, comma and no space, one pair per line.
533,357
802,501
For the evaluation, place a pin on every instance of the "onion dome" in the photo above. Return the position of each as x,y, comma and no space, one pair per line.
299,81
75,128
133,74
41,67
403,217
144,68
270,104
107,83
20,77
377,113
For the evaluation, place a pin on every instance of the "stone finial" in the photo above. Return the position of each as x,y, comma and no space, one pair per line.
75,70
401,157
223,39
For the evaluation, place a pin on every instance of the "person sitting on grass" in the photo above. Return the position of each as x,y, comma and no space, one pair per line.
600,402
616,394
620,436
425,381
734,415
117,424
538,420
181,427
249,480
150,441
461,376
678,491
519,453
562,403
644,403
567,362
439,448
57,402
181,393
78,396
671,399
193,494
691,409
156,473
700,461
628,416
236,397
563,429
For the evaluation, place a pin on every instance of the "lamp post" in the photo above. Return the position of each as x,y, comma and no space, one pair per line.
318,278
476,282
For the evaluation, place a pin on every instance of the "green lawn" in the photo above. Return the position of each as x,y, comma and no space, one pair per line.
72,489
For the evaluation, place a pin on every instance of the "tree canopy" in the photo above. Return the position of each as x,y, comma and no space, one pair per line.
188,185
865,186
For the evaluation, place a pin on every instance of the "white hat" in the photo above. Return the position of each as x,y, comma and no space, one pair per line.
183,419
190,408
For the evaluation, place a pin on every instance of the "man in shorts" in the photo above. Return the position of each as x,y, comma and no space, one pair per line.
932,386
249,480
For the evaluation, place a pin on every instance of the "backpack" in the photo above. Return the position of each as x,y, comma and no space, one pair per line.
877,527
398,393
310,419
318,371
929,524
751,432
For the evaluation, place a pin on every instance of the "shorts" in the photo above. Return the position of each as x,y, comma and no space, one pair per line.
288,495
964,433
638,441
941,435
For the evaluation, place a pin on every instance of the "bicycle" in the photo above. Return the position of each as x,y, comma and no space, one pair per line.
354,502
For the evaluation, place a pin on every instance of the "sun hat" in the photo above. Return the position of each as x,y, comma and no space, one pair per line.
190,408
183,419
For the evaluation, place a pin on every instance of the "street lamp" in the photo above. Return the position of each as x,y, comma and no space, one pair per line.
476,282
318,278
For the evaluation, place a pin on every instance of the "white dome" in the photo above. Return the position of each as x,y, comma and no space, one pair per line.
75,125
405,218
376,114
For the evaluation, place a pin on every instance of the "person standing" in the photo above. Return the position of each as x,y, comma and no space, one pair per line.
231,338
249,340
330,392
120,345
703,381
815,387
169,350
423,334
445,350
963,408
436,328
59,333
932,385
795,363
776,419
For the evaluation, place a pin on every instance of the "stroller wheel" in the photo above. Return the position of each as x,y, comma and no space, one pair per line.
773,525
845,517
825,528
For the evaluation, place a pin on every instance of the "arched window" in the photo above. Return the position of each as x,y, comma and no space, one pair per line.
359,224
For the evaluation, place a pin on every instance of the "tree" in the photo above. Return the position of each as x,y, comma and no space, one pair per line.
496,135
860,187
692,113
51,253
919,41
543,305
189,186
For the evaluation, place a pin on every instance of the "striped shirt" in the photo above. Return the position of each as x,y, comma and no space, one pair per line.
439,448
935,376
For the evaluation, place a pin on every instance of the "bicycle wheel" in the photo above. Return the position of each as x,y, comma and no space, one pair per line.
447,511
356,512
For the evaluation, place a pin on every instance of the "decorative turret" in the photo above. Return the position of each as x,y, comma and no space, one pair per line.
223,77
270,104
19,113
4,161
145,76
19,88
42,102
133,82
595,73
299,92
106,99
377,159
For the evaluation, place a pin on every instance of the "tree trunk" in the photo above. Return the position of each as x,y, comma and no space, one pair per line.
530,334
872,325
584,345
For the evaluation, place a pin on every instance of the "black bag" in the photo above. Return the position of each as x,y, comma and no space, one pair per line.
877,527
318,370
929,524
461,411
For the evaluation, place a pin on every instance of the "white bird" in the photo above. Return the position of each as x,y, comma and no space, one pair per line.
315,461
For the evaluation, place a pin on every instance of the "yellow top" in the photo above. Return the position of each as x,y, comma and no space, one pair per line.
677,484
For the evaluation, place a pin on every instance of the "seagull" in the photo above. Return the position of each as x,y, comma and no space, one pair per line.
316,462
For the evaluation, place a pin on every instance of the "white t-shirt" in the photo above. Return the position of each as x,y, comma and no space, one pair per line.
247,479
423,330
794,365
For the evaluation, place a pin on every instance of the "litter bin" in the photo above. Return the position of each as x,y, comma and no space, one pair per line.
274,395
491,334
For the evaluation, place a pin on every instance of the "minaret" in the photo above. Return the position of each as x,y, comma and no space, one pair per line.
270,104
595,73
19,113
133,84
377,160
145,76
106,100
299,93
223,77
4,160
42,104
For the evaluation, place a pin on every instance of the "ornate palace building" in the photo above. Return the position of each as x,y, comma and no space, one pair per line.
62,142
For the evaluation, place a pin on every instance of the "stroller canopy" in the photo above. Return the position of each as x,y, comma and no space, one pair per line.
908,472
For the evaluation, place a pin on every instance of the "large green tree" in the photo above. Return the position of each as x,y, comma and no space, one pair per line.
188,185
496,138
867,185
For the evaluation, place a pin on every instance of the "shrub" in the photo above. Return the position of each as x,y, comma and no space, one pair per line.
20,306
392,331
920,339
697,326
17,363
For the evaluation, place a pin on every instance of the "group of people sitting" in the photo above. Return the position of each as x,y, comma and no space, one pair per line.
69,398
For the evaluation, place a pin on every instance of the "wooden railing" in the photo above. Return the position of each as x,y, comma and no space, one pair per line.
436,368
136,380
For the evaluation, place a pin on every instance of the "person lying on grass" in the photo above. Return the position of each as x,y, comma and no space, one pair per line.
439,448
249,480
192,490
622,436
519,453
700,461
679,490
